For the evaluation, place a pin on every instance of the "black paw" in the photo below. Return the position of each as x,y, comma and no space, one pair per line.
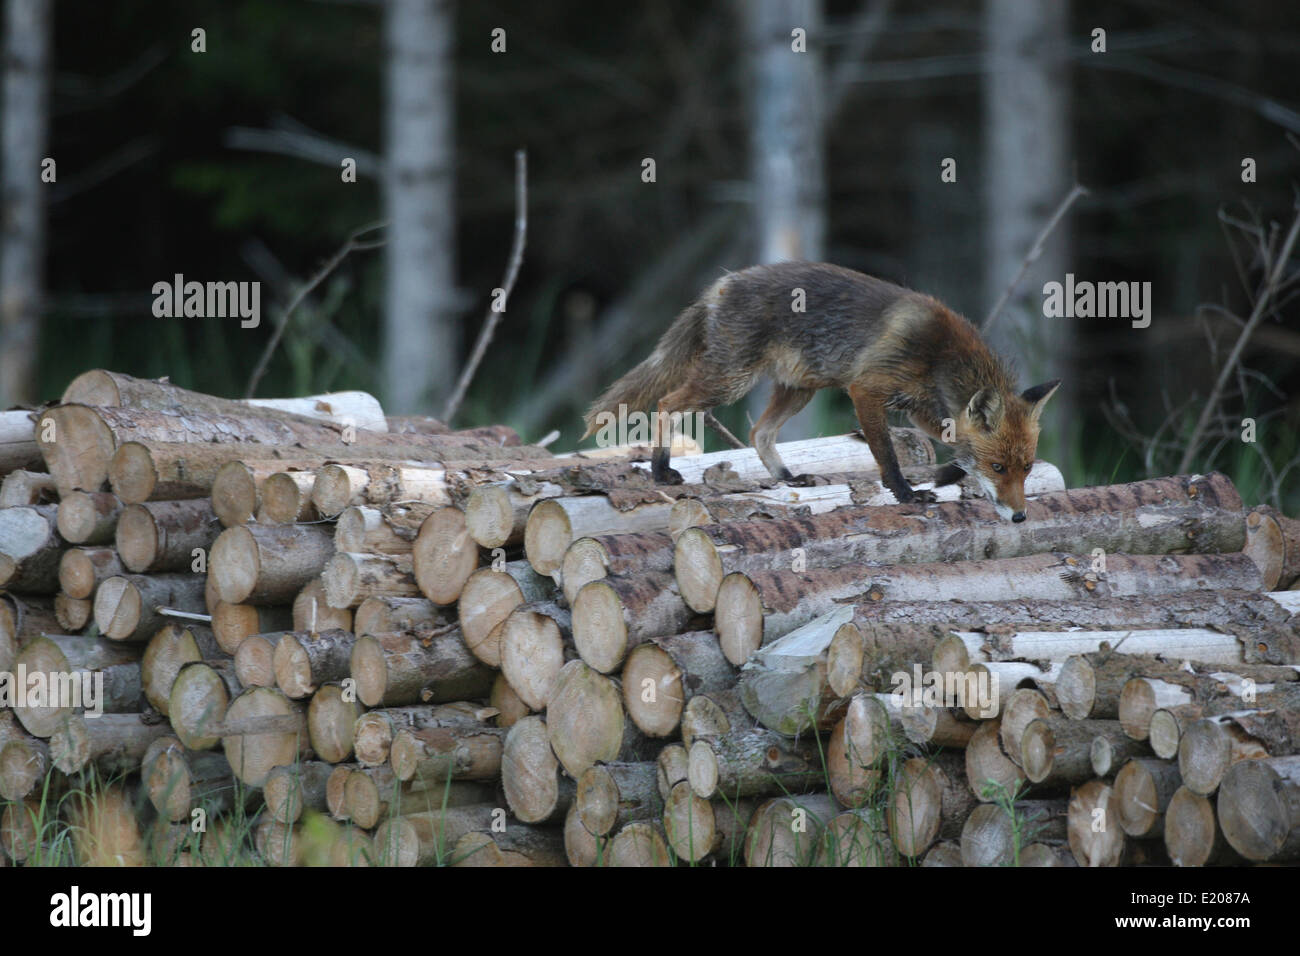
668,476
915,496
801,481
948,474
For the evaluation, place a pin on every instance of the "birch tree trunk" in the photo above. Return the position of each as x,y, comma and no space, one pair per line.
420,333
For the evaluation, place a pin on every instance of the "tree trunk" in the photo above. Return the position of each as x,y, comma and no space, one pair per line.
163,535
990,772
434,755
237,486
126,607
518,846
1273,541
1143,789
18,441
179,781
395,668
255,659
112,743
868,730
639,844
788,831
72,614
20,488
364,529
444,555
24,135
760,607
753,762
1160,516
286,498
88,517
200,696
268,564
662,675
376,730
1192,834
427,838
1056,751
989,836
312,613
378,614
100,675
613,615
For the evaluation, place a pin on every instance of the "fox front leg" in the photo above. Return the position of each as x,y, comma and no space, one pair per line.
948,474
870,409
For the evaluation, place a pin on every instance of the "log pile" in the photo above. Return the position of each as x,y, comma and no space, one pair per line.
302,633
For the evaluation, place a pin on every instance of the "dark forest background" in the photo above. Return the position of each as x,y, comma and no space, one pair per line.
171,161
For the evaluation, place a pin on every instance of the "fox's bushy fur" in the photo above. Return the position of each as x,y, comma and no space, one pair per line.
888,347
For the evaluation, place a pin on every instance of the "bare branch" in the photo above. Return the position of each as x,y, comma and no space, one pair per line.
507,285
1257,313
1036,250
354,244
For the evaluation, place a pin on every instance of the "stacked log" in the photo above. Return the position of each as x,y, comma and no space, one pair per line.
453,648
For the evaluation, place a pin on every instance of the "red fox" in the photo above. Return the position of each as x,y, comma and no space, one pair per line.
888,347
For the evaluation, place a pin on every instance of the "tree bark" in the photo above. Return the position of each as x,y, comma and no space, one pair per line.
304,661
126,607
351,578
163,535
395,668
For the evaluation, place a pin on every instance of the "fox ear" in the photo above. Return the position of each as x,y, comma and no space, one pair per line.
985,409
1037,395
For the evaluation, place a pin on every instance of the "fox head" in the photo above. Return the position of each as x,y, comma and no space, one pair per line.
996,441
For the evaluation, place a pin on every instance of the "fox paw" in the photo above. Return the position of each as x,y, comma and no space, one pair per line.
668,476
801,481
923,496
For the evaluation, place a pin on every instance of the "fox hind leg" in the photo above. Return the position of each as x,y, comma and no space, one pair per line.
786,402
691,397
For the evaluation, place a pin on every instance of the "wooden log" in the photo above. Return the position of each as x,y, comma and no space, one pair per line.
555,523
730,822
104,828
398,667
304,661
1273,542
351,578
19,837
20,488
590,559
587,722
375,730
201,694
112,743
612,795
660,676
331,721
382,613
378,483
858,745
639,844
126,606
672,766
30,549
311,612
1143,788
59,674
1093,685
428,837
444,555
373,794
18,447
930,801
82,569
291,789
286,498
1110,751
1207,609
506,702
938,726
88,517
166,535
990,837
279,845
268,564
784,685
530,773
518,846
688,823
1024,706
489,596
1093,844
102,387
613,615
237,485
1259,808
536,642
1056,751
753,762
581,846
753,609
434,755
718,712
232,623
336,791
24,763
353,847
366,529
787,831
262,730
1192,835
1211,745
255,659
943,855
72,614
990,772
1201,514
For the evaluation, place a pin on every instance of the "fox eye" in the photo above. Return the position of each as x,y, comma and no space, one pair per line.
998,468
1029,466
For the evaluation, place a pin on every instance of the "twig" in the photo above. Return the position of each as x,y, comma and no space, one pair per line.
1256,315
352,245
1036,250
721,429
188,615
512,272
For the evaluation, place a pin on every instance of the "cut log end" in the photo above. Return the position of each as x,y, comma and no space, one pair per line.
738,617
599,628
489,516
444,555
698,569
547,535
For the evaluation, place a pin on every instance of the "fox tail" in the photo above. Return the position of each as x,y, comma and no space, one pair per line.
667,368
